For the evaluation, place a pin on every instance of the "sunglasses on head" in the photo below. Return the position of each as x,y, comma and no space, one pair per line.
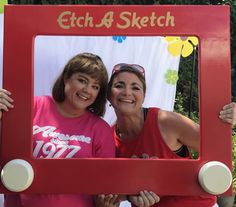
122,66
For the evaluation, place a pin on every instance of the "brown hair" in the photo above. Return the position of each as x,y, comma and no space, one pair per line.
91,65
126,68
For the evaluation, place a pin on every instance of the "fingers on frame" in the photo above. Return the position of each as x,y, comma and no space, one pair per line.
3,107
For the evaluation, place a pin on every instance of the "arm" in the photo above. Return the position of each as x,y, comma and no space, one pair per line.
178,130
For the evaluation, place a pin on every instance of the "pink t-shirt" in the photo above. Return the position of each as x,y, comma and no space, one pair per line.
55,136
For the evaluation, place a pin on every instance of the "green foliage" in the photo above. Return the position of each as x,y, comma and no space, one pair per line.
233,46
179,103
187,71
234,158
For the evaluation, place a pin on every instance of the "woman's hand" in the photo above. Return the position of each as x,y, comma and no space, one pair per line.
107,200
144,199
228,113
5,101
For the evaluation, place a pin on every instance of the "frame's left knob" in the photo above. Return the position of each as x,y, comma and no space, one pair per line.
17,175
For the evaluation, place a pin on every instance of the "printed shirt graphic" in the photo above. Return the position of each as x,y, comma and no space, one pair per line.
56,136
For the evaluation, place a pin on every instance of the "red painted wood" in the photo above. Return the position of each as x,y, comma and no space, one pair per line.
209,23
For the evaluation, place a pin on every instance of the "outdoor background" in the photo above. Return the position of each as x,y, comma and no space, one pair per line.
186,100
186,94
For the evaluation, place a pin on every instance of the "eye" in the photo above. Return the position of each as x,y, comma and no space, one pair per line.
118,85
96,87
82,80
135,88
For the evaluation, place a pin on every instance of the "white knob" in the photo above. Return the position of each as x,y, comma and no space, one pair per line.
17,175
215,177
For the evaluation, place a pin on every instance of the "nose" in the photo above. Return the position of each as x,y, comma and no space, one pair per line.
127,91
87,88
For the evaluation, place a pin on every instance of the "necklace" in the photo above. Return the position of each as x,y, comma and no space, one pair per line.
119,133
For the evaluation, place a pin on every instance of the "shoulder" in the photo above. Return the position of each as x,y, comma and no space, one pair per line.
168,119
164,115
152,111
175,120
99,121
43,101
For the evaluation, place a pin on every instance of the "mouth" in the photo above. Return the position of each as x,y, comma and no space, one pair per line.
126,101
82,97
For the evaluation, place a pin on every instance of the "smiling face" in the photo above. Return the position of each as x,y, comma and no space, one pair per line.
81,91
127,93
93,71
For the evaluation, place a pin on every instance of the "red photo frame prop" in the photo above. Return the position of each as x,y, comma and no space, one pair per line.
92,176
